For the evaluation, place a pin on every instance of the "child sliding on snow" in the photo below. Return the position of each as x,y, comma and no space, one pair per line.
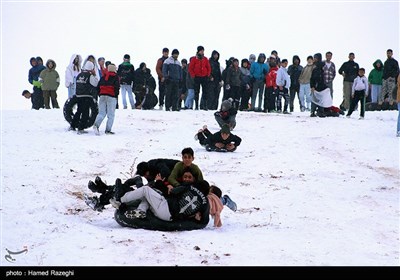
221,141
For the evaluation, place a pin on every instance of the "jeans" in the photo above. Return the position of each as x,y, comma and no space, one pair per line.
189,99
305,91
398,118
107,106
127,89
157,203
258,87
375,93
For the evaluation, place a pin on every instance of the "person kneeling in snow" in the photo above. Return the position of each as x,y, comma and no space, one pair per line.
221,141
227,114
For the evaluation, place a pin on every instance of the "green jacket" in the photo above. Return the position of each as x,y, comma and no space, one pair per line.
177,174
375,76
49,77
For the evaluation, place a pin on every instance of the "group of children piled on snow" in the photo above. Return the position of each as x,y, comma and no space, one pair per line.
173,190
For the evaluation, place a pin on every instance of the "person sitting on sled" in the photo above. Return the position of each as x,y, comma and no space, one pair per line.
221,141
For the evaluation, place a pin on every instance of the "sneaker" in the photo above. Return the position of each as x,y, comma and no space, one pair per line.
313,115
135,214
115,203
204,127
93,203
286,112
229,203
347,116
71,128
361,118
109,132
81,131
96,130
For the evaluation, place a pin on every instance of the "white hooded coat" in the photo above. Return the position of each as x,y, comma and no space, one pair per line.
70,73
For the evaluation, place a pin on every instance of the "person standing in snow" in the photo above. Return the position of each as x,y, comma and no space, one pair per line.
320,93
283,84
329,71
33,78
172,77
359,92
72,70
126,74
375,81
86,83
258,70
271,89
349,71
390,73
200,70
50,81
305,89
294,72
161,84
109,89
214,85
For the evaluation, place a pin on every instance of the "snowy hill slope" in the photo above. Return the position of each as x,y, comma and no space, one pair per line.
310,191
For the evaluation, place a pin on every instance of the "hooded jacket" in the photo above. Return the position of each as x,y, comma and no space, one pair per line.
35,71
70,72
375,76
215,67
49,77
294,72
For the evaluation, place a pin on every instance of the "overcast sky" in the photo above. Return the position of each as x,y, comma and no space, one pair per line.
57,29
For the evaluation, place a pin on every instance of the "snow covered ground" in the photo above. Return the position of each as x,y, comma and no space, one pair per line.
310,191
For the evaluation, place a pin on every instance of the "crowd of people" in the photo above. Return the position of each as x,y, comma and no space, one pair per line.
176,190
267,80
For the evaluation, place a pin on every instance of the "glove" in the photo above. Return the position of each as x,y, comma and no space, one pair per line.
37,84
247,86
228,87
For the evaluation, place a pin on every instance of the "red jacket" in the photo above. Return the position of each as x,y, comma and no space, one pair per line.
199,67
109,84
270,77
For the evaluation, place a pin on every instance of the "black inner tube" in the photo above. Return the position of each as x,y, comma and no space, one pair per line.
70,108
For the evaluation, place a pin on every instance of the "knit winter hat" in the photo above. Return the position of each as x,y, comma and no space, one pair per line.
225,129
112,68
127,56
88,66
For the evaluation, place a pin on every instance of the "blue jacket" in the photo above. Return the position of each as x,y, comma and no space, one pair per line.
172,69
259,70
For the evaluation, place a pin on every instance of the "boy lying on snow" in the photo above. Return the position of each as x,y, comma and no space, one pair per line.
221,141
